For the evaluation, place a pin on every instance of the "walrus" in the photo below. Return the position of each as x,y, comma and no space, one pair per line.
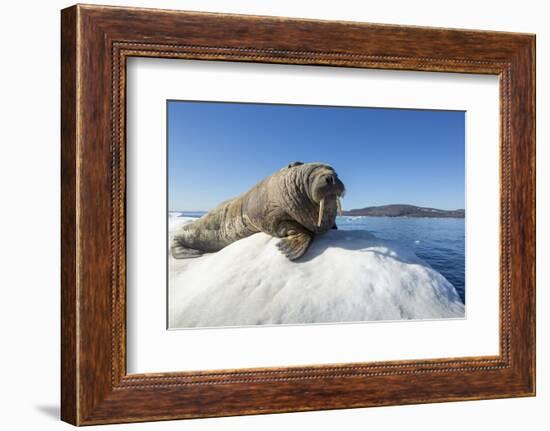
294,204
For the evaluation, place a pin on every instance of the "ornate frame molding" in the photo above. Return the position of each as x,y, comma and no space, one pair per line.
96,41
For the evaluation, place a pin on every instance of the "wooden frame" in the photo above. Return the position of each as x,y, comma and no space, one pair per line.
96,41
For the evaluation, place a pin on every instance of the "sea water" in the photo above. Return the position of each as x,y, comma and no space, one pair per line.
440,242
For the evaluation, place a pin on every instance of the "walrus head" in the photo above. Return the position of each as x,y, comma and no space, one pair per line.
325,189
320,188
324,183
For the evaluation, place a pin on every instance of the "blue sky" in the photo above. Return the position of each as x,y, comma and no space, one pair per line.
219,150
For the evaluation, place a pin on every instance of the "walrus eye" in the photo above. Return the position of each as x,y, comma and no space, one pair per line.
329,180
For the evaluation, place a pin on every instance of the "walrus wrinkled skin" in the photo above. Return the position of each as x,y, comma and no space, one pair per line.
285,205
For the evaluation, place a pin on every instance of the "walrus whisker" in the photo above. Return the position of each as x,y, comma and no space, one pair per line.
321,210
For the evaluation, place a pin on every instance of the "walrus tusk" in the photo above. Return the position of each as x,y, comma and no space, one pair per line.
338,206
321,209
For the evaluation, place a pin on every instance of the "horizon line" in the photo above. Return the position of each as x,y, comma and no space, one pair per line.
351,209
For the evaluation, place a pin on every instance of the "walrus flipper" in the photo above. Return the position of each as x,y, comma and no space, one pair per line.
294,246
179,251
292,165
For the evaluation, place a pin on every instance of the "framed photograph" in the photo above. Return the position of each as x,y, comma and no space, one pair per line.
263,214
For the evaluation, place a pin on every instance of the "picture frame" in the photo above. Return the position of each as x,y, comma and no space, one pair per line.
96,42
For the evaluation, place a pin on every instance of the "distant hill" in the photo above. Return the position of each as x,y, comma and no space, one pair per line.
402,210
